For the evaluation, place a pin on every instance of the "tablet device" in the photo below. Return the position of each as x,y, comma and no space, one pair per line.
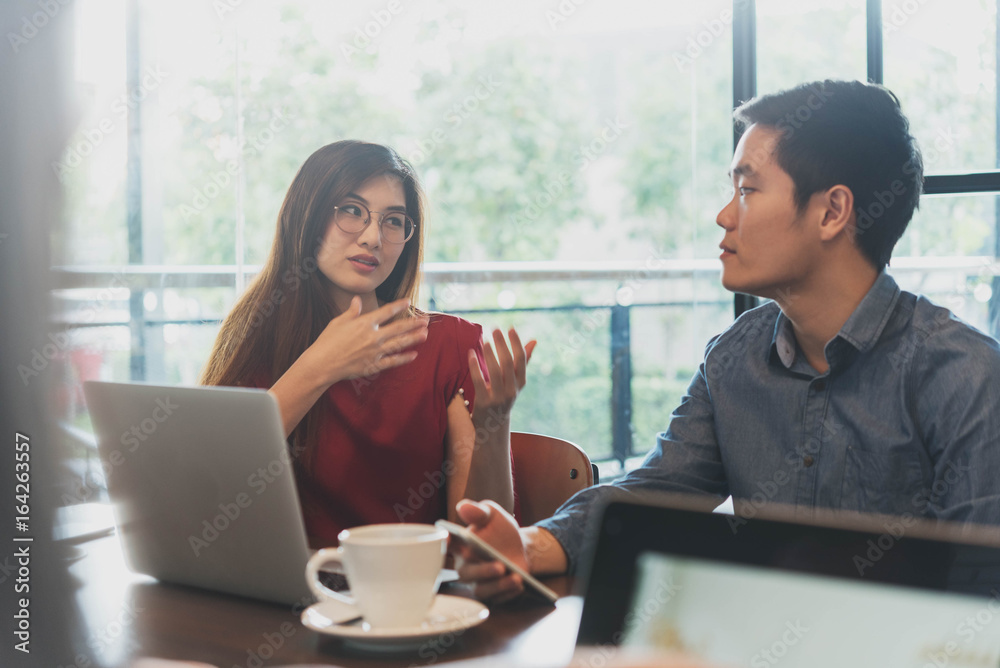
835,591
487,550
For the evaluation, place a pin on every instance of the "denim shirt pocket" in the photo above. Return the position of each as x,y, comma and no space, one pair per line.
889,482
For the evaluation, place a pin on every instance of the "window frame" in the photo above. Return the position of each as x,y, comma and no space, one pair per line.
143,328
745,88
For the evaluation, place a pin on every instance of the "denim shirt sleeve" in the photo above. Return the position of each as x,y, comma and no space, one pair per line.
686,459
956,389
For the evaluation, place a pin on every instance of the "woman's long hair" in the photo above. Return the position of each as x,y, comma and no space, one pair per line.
289,303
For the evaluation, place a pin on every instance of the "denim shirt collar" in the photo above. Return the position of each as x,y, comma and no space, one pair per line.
858,335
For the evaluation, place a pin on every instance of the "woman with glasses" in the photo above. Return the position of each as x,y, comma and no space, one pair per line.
388,412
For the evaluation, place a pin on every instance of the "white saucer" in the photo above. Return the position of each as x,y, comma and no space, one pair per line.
448,614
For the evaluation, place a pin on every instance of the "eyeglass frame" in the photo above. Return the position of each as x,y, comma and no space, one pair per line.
381,219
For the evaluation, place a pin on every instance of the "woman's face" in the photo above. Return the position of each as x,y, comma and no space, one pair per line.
358,263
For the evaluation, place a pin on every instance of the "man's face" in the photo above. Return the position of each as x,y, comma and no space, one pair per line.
768,247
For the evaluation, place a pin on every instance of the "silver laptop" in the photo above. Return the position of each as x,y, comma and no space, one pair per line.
202,487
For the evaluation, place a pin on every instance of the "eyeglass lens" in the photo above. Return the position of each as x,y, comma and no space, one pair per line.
396,226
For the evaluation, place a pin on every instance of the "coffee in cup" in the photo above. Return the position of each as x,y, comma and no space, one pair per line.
393,570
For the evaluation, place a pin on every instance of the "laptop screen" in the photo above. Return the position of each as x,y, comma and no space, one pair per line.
661,575
751,616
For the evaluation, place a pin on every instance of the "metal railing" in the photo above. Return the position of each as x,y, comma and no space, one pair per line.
442,273
438,276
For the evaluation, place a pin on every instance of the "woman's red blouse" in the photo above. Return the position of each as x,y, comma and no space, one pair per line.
381,453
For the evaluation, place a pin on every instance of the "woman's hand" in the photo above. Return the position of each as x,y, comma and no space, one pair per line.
489,471
507,370
356,344
351,345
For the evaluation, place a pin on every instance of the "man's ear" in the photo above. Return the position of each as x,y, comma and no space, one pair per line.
838,214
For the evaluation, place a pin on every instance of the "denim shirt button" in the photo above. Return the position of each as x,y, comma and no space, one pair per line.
808,461
819,385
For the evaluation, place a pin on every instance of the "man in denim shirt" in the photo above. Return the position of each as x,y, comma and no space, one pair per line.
843,392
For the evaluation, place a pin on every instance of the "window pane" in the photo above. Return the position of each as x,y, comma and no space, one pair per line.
673,164
92,168
809,40
570,133
191,166
940,60
569,385
668,344
948,253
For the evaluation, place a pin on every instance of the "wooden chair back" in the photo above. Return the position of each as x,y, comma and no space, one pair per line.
547,471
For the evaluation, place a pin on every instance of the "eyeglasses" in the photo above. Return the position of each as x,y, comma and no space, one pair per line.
395,226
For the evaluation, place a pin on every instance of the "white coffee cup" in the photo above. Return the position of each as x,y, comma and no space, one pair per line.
392,570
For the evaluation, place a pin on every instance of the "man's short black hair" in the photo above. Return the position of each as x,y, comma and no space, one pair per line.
853,134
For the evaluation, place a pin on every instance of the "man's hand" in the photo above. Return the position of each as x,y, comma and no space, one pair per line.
498,528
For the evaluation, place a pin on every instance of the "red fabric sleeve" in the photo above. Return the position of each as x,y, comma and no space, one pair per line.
468,336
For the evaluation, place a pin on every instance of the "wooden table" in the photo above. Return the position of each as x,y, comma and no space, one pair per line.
126,616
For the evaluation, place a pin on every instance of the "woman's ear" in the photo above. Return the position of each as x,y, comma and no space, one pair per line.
838,216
